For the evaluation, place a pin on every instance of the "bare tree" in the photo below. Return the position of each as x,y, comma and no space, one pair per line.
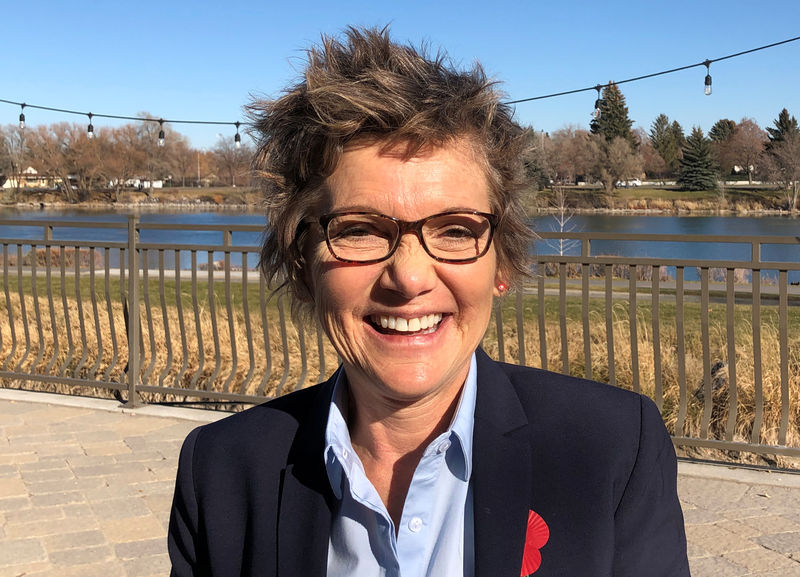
746,146
783,166
182,159
231,161
562,223
13,153
157,156
568,154
653,163
50,148
126,158
613,160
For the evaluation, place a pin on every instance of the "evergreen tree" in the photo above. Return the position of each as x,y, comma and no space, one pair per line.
721,135
660,135
785,125
697,167
667,139
676,130
613,121
783,156
536,159
722,131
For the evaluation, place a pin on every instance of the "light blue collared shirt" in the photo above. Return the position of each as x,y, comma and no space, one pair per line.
436,533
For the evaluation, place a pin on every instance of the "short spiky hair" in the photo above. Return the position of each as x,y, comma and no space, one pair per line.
367,87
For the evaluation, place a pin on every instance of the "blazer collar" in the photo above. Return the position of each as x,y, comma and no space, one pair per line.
306,499
502,476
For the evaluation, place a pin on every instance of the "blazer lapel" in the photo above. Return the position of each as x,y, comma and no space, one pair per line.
305,501
501,474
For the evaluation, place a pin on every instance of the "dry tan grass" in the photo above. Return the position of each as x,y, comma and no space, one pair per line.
206,364
225,365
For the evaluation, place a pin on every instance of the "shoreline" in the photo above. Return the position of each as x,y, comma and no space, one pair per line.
253,208
592,202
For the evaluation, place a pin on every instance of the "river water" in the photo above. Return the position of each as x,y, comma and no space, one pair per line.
609,223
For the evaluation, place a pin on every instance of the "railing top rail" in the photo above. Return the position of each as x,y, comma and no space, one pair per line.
66,243
41,223
220,227
675,262
199,247
63,223
735,239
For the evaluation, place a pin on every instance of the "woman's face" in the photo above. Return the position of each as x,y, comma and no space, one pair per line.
403,365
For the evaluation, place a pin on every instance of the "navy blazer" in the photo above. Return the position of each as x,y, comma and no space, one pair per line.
252,496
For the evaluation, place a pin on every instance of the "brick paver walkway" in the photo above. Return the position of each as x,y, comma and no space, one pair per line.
85,491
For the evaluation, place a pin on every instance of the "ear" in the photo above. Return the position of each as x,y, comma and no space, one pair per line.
500,284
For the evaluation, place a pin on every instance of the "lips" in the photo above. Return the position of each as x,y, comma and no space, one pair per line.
423,324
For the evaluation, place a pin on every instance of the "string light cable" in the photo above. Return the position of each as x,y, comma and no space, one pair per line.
91,115
237,124
707,63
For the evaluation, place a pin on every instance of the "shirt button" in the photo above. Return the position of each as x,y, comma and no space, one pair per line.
415,524
443,446
345,454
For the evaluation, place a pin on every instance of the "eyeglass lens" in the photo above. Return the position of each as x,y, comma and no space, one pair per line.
450,237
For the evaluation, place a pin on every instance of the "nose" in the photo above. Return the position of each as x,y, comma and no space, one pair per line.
410,271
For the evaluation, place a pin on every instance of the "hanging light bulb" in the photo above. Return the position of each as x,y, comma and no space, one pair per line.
161,132
237,140
90,129
597,103
22,116
707,89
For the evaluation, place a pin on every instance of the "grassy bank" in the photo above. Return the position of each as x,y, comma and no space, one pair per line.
668,200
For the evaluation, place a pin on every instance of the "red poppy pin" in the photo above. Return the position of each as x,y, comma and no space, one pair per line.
535,538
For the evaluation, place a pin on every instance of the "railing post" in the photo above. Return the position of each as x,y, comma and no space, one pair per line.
134,359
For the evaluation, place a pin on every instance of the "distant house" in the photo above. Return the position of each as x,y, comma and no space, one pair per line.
139,182
30,178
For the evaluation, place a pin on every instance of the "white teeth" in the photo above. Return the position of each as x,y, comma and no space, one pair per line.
412,325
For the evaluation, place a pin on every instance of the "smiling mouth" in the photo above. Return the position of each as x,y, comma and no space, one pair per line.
423,325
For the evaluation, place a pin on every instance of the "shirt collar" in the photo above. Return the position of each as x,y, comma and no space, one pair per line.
337,435
463,423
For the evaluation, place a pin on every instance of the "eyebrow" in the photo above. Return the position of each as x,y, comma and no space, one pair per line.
372,209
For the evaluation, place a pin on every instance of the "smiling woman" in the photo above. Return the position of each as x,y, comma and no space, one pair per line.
409,285
391,183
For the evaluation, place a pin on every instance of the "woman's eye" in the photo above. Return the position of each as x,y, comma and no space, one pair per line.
359,231
356,231
457,232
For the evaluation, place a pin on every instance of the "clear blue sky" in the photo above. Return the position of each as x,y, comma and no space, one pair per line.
203,60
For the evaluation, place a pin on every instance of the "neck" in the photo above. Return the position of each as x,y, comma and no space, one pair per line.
399,429
391,436
382,425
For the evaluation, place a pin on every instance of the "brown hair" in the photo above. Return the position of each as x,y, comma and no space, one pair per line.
369,87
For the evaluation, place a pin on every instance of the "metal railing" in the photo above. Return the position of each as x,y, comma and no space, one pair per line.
716,343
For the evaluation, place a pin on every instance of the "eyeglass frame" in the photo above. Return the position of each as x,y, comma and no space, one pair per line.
406,226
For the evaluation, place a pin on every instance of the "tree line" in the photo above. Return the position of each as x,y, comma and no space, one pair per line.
110,158
612,153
